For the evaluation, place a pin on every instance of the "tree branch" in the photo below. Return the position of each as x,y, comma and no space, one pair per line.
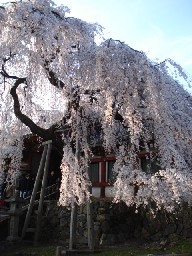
52,77
46,134
54,80
43,133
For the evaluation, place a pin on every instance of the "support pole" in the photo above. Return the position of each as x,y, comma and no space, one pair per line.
90,225
35,189
44,184
73,227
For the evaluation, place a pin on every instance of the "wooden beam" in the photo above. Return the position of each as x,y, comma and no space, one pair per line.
42,195
90,225
73,227
34,192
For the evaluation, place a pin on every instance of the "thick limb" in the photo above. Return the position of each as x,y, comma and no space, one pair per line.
44,133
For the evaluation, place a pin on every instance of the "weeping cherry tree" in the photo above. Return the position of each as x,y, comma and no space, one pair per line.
106,93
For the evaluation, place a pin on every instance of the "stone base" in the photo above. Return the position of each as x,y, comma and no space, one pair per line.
60,251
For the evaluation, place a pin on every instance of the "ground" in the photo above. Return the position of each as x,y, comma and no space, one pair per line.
180,248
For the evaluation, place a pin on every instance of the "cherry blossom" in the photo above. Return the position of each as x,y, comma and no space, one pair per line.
56,78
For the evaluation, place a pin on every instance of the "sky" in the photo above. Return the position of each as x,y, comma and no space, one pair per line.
160,28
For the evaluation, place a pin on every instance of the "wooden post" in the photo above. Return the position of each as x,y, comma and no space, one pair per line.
90,225
58,250
34,192
44,184
73,227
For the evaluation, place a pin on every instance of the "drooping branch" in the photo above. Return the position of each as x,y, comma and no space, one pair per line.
53,79
44,133
3,71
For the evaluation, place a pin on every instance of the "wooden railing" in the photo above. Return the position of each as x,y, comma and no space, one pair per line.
51,193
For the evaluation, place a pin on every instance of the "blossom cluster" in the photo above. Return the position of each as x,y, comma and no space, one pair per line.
123,100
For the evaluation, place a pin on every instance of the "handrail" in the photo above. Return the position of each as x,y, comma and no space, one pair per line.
51,193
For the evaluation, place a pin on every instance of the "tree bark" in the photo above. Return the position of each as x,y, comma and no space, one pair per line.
46,134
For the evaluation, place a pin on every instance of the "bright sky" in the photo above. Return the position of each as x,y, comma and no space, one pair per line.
160,28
